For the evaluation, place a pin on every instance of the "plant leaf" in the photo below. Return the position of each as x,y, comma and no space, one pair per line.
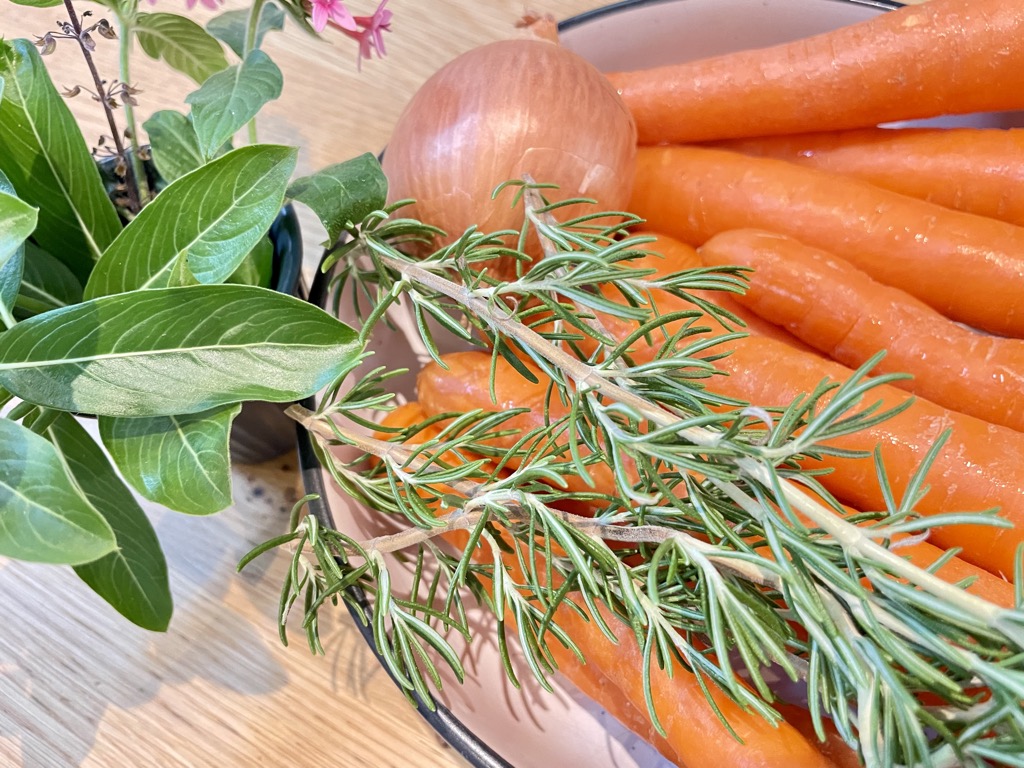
175,351
258,267
133,578
44,155
174,144
230,27
342,195
46,282
206,222
38,3
17,221
181,43
180,462
43,516
231,98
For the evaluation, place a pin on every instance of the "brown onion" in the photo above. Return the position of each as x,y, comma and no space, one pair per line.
501,111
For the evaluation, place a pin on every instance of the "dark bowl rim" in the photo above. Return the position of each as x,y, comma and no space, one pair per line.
455,733
608,10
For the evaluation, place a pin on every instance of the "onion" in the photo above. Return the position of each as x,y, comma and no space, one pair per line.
499,112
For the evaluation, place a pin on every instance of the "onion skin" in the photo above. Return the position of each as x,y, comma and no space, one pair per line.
499,112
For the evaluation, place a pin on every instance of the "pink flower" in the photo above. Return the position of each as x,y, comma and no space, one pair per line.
370,35
333,11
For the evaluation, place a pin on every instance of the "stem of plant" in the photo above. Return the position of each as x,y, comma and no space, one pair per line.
588,377
637,534
252,29
6,317
135,160
101,92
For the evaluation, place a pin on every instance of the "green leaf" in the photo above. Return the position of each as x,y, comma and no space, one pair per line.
43,516
38,3
46,282
342,195
181,462
175,350
231,26
17,221
258,267
174,144
230,99
133,578
203,224
183,44
44,155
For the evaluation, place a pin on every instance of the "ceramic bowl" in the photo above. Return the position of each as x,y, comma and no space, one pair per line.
490,723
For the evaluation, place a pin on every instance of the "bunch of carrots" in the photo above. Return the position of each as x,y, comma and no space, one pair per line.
859,238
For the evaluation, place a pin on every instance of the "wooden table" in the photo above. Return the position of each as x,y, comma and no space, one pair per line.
80,686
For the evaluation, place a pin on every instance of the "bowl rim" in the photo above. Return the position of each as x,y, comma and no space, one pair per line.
608,10
455,733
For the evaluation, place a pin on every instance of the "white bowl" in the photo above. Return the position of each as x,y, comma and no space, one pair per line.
487,720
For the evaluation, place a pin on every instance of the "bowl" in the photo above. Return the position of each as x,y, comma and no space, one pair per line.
486,720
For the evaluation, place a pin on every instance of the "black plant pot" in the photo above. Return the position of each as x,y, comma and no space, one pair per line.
261,431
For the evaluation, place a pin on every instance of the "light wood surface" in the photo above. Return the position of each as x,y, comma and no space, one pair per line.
78,685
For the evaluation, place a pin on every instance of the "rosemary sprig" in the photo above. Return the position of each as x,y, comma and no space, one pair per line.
737,556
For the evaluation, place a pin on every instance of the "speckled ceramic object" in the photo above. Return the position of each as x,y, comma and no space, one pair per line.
488,721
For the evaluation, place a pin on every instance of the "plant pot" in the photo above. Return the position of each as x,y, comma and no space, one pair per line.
261,431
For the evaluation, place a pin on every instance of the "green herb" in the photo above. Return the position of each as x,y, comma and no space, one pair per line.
737,556
113,298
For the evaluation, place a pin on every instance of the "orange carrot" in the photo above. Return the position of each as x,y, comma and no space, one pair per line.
842,312
942,57
977,170
970,268
980,467
667,256
696,737
692,727
834,748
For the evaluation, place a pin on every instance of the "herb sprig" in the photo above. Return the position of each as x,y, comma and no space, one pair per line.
748,567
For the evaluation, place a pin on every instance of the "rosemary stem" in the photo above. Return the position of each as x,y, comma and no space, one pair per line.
534,203
468,518
588,377
382,449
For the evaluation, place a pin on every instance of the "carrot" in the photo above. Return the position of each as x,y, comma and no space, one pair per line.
968,267
601,688
696,737
691,725
667,256
980,467
842,312
942,57
834,748
977,170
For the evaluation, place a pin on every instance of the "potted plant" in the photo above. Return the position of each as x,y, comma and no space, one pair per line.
150,311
